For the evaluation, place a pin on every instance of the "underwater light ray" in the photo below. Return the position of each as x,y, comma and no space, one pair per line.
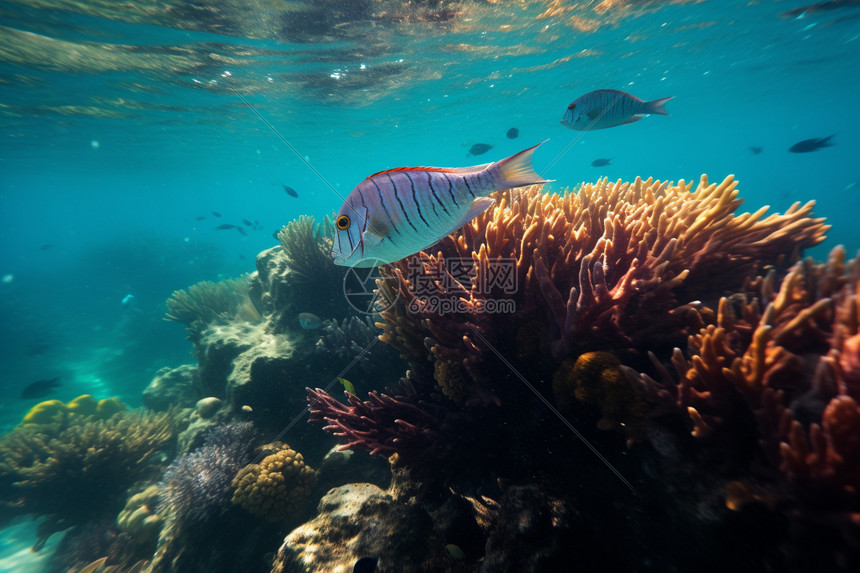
556,412
307,408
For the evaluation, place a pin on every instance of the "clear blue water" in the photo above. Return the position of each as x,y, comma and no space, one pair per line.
121,126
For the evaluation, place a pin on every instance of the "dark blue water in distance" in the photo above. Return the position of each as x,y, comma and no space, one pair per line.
122,125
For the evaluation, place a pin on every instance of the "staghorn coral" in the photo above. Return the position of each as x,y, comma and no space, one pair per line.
79,469
277,487
207,302
613,266
775,380
197,486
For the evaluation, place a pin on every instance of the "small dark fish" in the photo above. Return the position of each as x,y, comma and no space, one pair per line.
513,133
602,162
241,230
290,191
808,145
247,223
479,149
39,389
365,565
46,247
216,213
756,150
200,218
226,226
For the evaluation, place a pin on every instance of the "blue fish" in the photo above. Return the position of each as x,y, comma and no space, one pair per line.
608,108
396,213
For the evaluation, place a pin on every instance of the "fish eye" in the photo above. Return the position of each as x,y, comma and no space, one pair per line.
571,106
342,222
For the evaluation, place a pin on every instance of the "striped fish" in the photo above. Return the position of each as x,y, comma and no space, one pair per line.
607,108
398,212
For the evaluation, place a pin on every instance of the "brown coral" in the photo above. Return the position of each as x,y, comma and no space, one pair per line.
614,266
778,373
277,487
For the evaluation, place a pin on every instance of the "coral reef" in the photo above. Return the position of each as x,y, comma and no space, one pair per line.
206,302
252,360
775,382
138,518
197,485
171,387
55,412
619,268
77,469
276,487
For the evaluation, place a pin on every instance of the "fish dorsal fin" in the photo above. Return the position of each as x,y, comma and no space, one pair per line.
473,169
477,207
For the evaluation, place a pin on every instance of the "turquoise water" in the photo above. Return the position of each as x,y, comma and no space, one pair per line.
122,125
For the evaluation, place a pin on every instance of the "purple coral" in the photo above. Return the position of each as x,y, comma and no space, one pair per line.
198,485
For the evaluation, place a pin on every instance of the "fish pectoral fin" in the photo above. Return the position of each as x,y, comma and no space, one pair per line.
377,229
477,207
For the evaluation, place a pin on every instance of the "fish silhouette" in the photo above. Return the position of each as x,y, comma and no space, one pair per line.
756,150
39,388
479,149
290,191
513,133
809,145
603,162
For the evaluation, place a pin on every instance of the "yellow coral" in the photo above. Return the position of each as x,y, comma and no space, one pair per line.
276,487
48,412
84,406
597,378
449,377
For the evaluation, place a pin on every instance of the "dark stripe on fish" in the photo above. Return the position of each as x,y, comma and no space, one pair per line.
450,192
415,199
402,208
469,187
432,190
384,208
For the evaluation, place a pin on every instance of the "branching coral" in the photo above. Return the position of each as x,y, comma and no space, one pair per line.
80,468
277,487
615,266
779,374
206,302
542,278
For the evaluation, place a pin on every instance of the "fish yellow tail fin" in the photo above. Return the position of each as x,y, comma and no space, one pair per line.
517,170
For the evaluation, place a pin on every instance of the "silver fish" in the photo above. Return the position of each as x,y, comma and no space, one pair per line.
607,108
396,213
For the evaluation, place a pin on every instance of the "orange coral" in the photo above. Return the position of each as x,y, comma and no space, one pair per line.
790,370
